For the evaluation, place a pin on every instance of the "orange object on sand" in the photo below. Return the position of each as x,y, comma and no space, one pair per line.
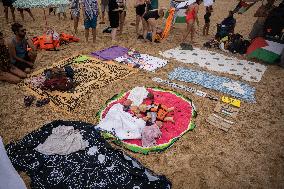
168,26
46,42
68,38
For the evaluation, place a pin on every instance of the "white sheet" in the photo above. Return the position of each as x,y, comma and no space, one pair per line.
9,177
122,124
208,3
137,95
249,71
186,3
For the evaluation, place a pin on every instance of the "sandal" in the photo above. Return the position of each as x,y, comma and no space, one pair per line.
28,100
42,102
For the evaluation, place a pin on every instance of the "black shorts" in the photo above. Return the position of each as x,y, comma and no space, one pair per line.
21,65
7,3
140,10
114,19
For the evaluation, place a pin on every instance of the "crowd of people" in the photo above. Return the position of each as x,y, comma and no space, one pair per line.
16,60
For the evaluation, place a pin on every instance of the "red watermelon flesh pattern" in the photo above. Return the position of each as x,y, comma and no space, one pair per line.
182,115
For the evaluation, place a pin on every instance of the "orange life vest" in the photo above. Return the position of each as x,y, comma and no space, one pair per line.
68,38
46,42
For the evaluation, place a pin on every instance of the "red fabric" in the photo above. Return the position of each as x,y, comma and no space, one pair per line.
257,43
190,15
182,115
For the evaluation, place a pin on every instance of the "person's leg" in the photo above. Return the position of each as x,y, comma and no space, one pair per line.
64,15
8,77
204,29
103,15
187,32
22,13
13,13
59,16
207,29
76,21
145,28
87,34
113,34
122,20
192,32
138,18
6,9
16,71
31,14
94,33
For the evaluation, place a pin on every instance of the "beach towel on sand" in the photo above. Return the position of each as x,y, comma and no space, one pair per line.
99,166
142,61
110,53
90,74
222,84
183,115
249,71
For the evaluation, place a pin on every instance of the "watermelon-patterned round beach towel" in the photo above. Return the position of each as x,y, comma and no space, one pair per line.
184,115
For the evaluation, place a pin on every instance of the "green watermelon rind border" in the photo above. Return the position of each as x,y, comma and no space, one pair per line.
139,149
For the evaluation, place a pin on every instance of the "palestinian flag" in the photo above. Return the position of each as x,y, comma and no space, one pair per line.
184,115
242,7
180,16
265,50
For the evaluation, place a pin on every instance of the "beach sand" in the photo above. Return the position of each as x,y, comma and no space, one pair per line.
250,155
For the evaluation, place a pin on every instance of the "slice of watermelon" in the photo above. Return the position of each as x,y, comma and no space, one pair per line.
183,114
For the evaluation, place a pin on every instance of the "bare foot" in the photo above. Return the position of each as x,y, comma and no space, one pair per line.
27,70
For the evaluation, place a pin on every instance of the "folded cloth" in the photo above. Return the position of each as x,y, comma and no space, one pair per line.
110,53
9,178
64,140
137,95
149,135
122,124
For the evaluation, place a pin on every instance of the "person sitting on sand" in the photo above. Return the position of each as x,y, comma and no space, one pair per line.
8,72
150,22
230,22
90,11
18,49
191,18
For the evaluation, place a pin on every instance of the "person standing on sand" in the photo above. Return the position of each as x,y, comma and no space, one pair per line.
8,72
113,14
90,12
8,4
18,49
261,14
75,13
207,20
104,9
122,14
28,11
150,23
61,9
191,18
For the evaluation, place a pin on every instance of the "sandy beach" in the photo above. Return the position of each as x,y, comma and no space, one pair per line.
250,155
